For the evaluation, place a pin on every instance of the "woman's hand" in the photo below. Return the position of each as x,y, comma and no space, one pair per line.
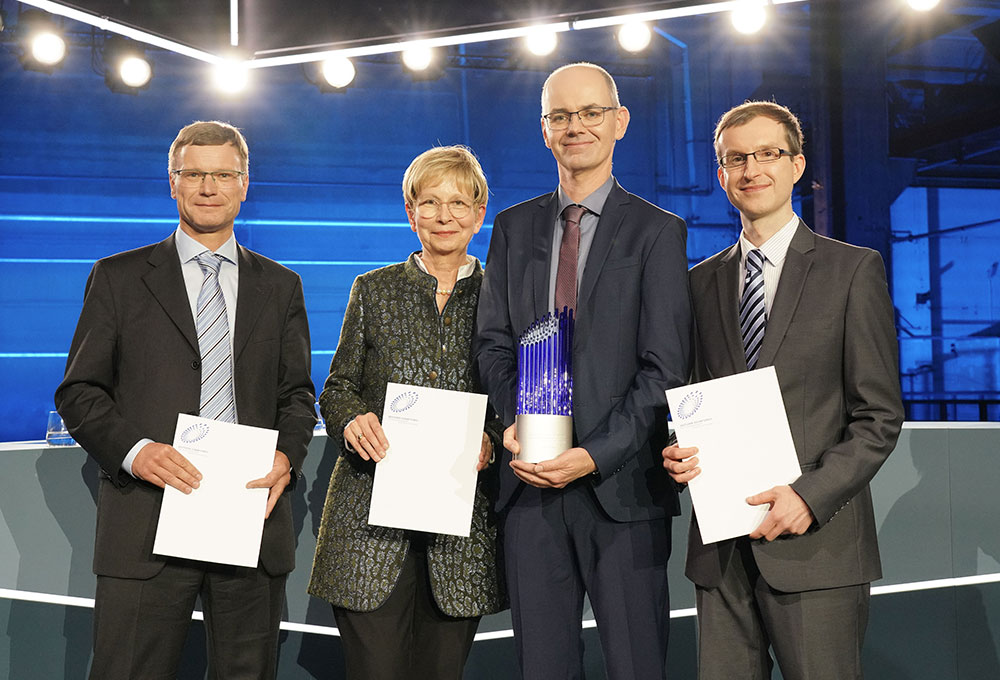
365,435
485,453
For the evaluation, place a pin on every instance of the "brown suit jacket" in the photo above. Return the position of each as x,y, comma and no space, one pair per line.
831,339
134,365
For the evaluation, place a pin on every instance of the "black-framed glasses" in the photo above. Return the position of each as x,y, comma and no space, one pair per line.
430,208
223,178
591,116
738,160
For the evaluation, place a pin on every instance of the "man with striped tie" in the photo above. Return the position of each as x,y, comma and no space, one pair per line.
194,324
818,310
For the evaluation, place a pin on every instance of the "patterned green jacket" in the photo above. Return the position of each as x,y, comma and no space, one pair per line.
392,332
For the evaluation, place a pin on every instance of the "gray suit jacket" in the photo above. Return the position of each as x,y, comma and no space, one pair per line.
831,339
134,365
632,339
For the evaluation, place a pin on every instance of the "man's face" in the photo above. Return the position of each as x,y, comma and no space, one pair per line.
759,190
580,149
208,207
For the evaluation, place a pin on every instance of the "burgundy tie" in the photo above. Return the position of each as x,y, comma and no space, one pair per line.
569,251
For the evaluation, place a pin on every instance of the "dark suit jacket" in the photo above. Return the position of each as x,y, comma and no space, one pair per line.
831,339
632,339
134,365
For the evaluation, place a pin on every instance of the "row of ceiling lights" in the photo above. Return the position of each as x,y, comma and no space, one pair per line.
128,69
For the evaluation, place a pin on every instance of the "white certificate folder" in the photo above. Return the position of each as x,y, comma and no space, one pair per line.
427,481
744,446
222,520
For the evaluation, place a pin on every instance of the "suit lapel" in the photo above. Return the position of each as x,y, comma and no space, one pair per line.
253,292
541,252
727,276
612,216
166,283
798,261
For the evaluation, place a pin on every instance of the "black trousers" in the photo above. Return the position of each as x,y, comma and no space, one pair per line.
140,624
560,544
407,637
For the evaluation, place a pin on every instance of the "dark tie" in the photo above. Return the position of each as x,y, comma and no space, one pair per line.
753,314
569,252
217,399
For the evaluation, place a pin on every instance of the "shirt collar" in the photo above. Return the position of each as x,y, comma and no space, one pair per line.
773,249
593,203
188,248
464,272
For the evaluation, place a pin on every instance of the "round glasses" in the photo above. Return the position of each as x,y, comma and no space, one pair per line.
431,207
224,178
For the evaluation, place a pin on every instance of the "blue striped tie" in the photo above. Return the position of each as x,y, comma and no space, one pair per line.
753,314
217,399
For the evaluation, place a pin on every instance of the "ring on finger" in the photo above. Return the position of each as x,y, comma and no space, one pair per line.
361,437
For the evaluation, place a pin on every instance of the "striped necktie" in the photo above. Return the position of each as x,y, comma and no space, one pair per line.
569,253
217,399
753,314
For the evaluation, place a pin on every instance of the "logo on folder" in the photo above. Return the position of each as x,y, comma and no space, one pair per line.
403,402
689,404
194,432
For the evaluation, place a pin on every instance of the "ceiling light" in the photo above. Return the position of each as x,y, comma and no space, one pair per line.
230,77
923,5
750,16
418,58
44,46
126,68
634,36
541,43
338,72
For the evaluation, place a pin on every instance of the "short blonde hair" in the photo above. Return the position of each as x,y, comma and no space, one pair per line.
454,162
748,110
210,133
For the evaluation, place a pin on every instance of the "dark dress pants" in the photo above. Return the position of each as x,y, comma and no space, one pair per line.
407,637
559,545
140,625
816,634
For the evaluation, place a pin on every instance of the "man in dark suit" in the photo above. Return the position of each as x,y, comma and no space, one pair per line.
596,518
818,310
194,324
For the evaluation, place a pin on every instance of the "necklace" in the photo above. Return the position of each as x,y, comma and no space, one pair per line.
445,291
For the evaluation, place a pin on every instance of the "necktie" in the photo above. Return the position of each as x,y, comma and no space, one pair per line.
217,399
569,251
753,314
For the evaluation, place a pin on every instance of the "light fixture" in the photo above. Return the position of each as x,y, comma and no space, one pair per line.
44,46
337,72
923,5
542,42
750,16
231,76
418,58
634,36
126,68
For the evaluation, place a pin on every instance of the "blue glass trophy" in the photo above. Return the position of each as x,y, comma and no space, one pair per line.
545,387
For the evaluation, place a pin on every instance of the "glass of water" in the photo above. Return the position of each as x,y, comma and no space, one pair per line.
56,433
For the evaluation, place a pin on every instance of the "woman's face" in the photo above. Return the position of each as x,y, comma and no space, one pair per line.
432,216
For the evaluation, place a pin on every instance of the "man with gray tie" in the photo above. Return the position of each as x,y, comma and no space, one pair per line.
818,310
193,324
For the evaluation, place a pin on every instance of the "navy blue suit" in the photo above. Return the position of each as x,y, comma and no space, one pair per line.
632,341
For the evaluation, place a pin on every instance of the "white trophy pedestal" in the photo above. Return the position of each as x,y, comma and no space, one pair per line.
543,437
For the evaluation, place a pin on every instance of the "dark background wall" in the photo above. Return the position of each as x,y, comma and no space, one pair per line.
83,171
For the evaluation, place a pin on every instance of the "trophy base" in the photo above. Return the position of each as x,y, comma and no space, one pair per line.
543,437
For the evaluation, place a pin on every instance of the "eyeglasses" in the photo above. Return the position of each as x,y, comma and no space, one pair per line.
431,207
589,117
738,160
224,178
